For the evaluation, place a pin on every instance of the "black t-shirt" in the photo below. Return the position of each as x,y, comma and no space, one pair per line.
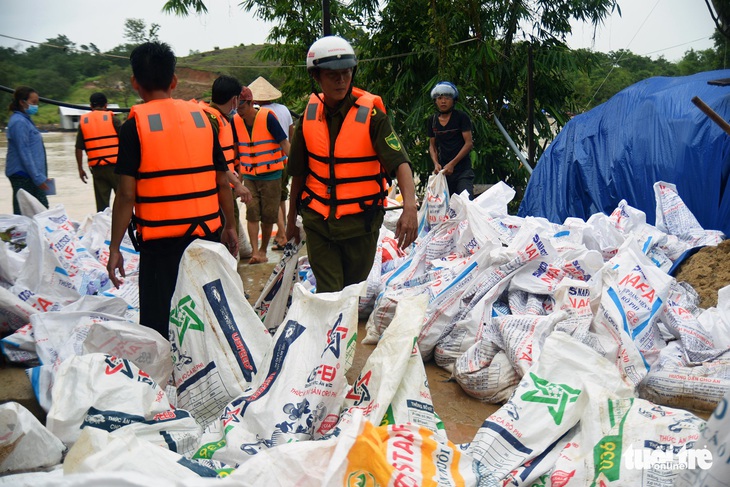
449,138
130,151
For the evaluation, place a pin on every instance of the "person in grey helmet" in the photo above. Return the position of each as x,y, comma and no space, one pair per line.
343,153
450,140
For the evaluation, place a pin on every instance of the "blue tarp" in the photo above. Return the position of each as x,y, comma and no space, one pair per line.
649,132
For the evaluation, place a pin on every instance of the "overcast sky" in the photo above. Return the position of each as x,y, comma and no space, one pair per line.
646,27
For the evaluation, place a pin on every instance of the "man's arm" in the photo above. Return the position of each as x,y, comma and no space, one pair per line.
433,152
80,164
225,201
406,230
292,232
80,146
121,216
285,146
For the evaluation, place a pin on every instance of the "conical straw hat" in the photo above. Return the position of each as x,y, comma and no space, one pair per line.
263,90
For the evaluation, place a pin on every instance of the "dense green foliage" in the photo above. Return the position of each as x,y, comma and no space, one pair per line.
404,47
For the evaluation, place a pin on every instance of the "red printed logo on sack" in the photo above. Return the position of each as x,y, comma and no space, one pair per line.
328,423
559,478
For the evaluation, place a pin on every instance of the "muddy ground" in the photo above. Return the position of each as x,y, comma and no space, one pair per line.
707,271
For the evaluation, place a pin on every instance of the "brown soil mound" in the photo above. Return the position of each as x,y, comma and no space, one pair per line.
707,271
193,83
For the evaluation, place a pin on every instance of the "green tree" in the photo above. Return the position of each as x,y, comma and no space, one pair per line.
136,32
406,45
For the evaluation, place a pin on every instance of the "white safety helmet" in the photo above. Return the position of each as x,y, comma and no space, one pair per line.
331,52
445,88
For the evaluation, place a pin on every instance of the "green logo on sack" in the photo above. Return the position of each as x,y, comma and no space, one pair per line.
362,478
183,316
393,142
556,396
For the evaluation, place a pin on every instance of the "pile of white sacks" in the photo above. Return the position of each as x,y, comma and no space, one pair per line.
578,327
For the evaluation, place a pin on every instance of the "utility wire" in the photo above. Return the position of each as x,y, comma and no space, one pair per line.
622,55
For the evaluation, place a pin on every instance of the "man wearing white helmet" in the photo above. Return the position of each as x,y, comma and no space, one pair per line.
450,140
343,153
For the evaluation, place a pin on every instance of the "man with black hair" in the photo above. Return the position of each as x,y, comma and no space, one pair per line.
450,140
98,136
172,185
223,105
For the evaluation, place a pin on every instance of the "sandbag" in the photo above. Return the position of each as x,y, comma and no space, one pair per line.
24,442
217,340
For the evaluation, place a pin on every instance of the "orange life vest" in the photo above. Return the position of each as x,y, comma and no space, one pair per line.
258,153
177,192
100,137
225,136
349,178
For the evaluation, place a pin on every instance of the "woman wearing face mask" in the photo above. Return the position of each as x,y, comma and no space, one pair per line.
25,166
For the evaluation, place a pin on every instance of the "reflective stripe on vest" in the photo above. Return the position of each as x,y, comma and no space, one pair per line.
258,153
350,178
225,136
100,137
177,191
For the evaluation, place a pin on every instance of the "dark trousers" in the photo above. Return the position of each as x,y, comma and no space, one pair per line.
20,182
342,253
159,261
105,181
463,180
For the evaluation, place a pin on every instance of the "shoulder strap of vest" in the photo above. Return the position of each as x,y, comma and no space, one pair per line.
365,98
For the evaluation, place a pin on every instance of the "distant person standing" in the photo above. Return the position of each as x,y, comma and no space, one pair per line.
263,148
264,94
98,135
223,105
450,140
173,184
26,165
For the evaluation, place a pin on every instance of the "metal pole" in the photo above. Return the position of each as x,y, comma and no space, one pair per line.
530,107
512,144
326,29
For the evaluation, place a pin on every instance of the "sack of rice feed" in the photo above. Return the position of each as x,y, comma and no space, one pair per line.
217,339
298,390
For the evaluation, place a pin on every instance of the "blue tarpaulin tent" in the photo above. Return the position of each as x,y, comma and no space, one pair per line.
649,132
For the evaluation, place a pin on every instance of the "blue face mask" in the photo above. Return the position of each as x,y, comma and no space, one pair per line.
32,109
232,112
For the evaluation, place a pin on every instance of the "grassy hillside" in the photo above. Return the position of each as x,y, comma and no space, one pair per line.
195,78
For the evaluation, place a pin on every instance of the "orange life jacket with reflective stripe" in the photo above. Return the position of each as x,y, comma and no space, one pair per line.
349,178
225,136
258,153
177,191
100,137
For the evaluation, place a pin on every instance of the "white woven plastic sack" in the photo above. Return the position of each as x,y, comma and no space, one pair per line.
103,391
275,298
634,292
29,204
24,442
94,233
715,438
390,388
435,203
88,275
298,391
674,218
630,441
98,451
38,281
217,339
546,404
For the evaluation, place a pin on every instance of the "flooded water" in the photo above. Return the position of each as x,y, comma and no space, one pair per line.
74,195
